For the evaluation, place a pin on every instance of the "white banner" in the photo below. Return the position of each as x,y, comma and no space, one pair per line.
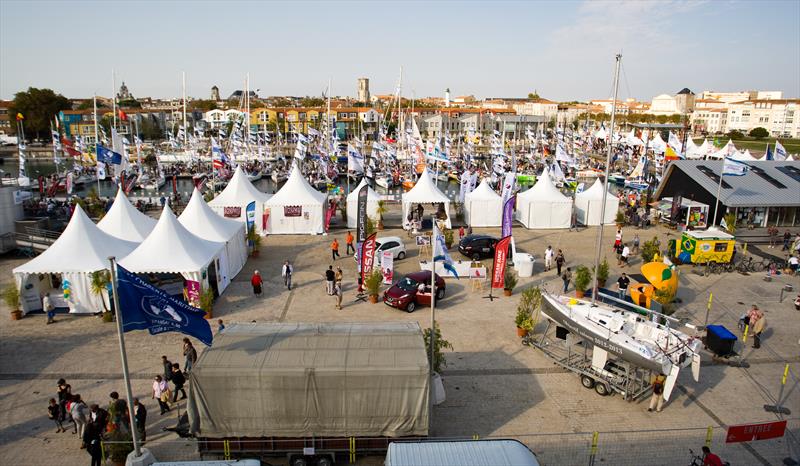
387,267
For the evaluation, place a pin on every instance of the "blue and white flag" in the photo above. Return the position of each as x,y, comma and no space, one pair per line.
106,155
734,167
780,152
145,307
440,253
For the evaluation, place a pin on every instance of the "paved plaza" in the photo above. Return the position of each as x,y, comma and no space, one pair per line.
495,386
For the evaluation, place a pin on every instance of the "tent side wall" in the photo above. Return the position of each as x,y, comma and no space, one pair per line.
407,209
352,211
260,209
82,300
549,215
483,213
279,224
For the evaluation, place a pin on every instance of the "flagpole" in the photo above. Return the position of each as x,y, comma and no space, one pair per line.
124,356
719,191
433,313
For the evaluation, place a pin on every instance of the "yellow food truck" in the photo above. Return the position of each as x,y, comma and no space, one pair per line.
702,246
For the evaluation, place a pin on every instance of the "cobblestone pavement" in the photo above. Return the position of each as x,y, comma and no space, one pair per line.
495,386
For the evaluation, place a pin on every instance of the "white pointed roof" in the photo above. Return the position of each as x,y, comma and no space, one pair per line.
745,156
601,133
203,222
124,221
240,191
483,192
171,248
371,194
425,190
297,191
595,192
82,247
543,190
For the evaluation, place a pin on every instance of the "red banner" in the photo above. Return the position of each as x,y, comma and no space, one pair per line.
499,264
175,184
367,256
292,211
750,432
329,214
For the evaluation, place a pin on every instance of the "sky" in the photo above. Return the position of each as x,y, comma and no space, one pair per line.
564,50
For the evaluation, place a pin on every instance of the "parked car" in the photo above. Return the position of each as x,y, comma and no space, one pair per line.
393,244
477,247
405,293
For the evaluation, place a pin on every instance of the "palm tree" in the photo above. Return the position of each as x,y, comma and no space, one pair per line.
99,285
380,210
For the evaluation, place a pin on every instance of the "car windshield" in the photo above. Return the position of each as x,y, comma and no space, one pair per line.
407,284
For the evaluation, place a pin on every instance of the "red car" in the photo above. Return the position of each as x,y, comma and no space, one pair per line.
406,294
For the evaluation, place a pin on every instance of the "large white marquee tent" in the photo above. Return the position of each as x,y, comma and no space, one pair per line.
352,203
80,250
543,206
297,208
172,249
483,207
124,221
233,200
588,205
426,192
203,222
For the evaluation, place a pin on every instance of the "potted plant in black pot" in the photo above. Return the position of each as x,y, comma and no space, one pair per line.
373,284
510,282
582,278
11,298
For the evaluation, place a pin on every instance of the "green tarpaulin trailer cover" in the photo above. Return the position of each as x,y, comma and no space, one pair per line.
304,380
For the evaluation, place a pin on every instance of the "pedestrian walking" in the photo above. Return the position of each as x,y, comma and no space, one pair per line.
618,251
657,400
91,438
461,233
54,413
566,278
787,237
161,393
635,249
622,284
559,261
334,249
140,418
618,238
758,327
98,417
118,411
349,240
49,309
548,258
167,364
64,393
710,459
79,413
339,275
330,277
257,282
624,256
190,353
220,326
337,291
286,273
178,380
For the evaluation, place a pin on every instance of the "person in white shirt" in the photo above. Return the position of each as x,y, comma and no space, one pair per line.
548,258
286,273
794,262
625,253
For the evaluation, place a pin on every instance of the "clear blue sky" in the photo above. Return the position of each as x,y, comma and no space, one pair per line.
562,49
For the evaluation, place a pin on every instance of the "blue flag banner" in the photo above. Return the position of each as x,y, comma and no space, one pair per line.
145,307
250,214
106,155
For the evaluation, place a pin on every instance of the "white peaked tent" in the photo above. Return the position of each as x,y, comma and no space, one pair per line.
589,203
80,250
124,221
425,192
233,200
633,140
352,203
658,144
745,156
297,208
483,207
543,206
171,248
692,150
601,133
203,222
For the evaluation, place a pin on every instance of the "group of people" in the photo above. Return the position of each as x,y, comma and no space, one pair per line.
333,284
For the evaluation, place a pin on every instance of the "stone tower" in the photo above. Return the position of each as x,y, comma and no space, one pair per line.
215,93
363,90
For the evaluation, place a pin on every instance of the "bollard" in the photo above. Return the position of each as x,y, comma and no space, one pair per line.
593,450
744,335
352,450
709,436
476,437
778,406
226,449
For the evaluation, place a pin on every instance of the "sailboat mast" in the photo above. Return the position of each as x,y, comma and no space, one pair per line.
598,244
114,99
185,128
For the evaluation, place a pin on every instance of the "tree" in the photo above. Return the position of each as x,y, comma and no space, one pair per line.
38,107
204,105
735,135
129,103
759,133
311,102
533,95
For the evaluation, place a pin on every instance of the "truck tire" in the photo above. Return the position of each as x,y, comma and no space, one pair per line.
587,382
325,461
602,389
298,461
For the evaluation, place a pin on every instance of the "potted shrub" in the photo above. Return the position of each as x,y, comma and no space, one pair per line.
11,297
582,278
530,301
380,210
510,282
602,273
207,302
254,240
620,219
373,284
730,222
448,238
650,249
119,446
99,286
438,357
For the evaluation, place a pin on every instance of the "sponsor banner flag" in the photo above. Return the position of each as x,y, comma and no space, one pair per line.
145,307
508,216
367,256
499,263
250,214
387,267
361,216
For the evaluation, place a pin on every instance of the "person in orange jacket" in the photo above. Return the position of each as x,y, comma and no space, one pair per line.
335,249
349,240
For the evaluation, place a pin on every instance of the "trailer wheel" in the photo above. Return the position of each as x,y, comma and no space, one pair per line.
587,382
325,461
298,461
602,389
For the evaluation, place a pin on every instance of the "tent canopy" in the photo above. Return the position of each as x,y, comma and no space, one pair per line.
543,190
239,192
425,191
483,207
352,203
82,247
124,221
296,191
544,206
171,248
588,205
203,222
483,192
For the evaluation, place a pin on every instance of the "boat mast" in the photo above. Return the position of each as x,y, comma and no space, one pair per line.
185,128
598,244
114,102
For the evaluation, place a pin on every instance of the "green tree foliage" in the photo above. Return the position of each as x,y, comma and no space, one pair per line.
759,133
736,135
149,130
533,95
312,102
204,105
38,107
439,360
129,103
